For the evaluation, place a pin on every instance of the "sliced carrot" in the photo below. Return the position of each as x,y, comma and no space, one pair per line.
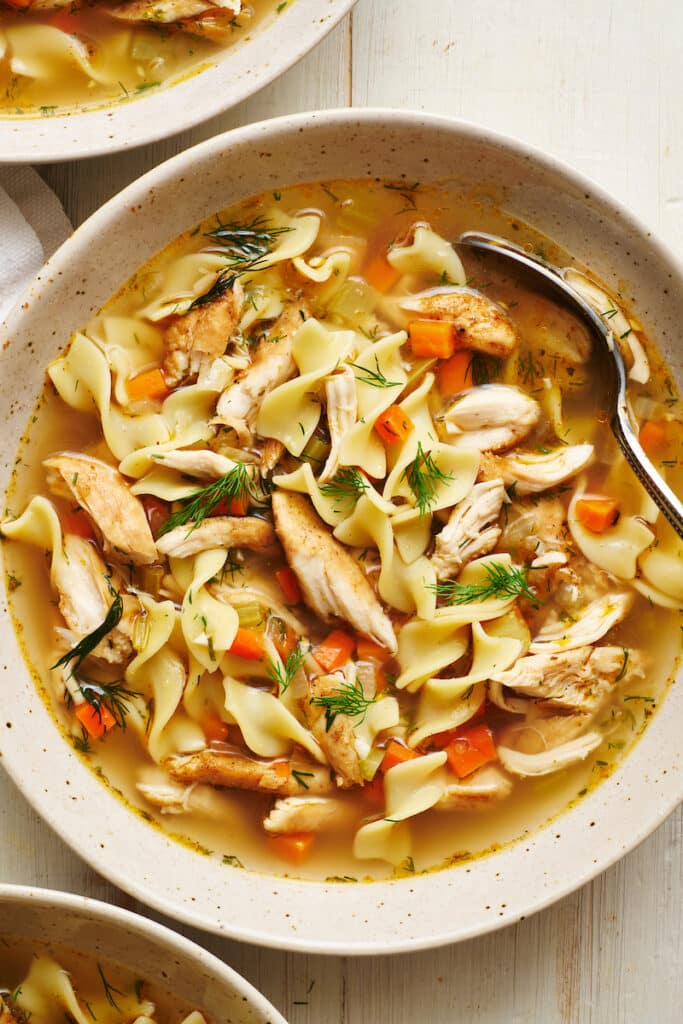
335,650
295,846
157,512
393,425
441,740
652,436
76,521
374,791
215,729
471,749
597,514
149,384
232,506
397,753
432,338
455,374
65,21
282,769
289,585
248,643
284,637
380,274
368,650
95,721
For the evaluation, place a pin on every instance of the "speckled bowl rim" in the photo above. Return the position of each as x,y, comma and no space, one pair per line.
244,69
381,917
51,901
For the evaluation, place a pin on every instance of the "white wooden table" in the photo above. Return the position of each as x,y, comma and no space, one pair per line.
600,85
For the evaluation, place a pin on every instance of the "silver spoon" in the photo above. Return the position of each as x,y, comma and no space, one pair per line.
611,369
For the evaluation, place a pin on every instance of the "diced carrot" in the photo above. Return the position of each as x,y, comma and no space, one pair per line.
471,749
149,384
652,436
380,274
248,643
374,791
215,729
455,374
76,521
335,650
232,506
289,585
432,338
282,769
397,753
597,514
95,721
284,637
393,425
368,650
157,512
65,21
295,846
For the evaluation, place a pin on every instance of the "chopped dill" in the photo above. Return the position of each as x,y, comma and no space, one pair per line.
375,378
283,674
623,666
301,777
503,582
236,485
347,483
112,696
109,989
246,245
348,699
422,476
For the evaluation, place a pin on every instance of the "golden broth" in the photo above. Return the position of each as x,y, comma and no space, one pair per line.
226,825
127,60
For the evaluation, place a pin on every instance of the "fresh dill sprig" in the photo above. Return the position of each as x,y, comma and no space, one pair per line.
375,378
284,673
112,696
87,645
223,284
348,699
347,483
300,776
236,485
246,244
109,990
422,476
481,369
503,581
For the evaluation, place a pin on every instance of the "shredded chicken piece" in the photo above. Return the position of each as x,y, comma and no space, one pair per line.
273,450
471,531
593,622
217,532
200,336
236,771
337,738
578,679
85,598
552,760
209,18
479,791
479,323
532,472
107,499
272,365
331,581
199,462
342,409
309,814
491,417
536,531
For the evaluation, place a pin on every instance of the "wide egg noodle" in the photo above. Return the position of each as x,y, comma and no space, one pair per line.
290,412
408,588
425,647
167,484
332,510
322,269
383,714
448,703
46,53
423,433
130,345
83,380
429,253
269,729
362,446
209,626
475,574
616,549
385,840
181,282
39,526
662,566
48,985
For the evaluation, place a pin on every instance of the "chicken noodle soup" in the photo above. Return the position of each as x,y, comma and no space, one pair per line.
342,572
60,53
48,986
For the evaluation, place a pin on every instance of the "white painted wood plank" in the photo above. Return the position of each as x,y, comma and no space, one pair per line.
599,86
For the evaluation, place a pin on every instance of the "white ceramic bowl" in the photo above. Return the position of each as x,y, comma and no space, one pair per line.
366,918
155,954
243,68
